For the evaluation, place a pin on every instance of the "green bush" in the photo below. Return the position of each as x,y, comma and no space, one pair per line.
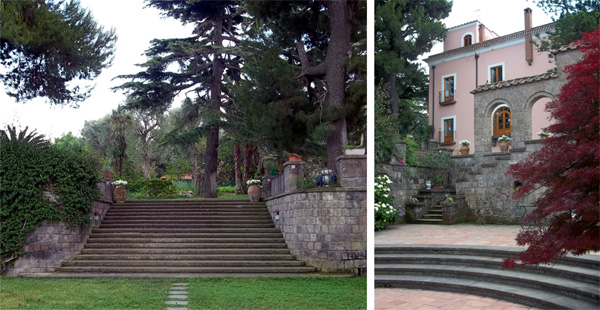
159,188
40,183
226,189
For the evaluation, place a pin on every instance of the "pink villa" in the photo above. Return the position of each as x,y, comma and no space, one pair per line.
476,59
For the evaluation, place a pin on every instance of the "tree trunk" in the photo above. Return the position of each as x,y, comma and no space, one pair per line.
335,72
195,158
394,99
209,185
247,161
237,158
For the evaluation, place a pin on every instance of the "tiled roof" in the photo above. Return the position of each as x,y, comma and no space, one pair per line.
564,48
518,81
493,41
473,21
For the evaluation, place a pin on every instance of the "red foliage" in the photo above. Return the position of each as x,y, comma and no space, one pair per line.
566,168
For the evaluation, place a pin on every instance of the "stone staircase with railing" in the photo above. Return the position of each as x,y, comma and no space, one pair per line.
185,238
432,207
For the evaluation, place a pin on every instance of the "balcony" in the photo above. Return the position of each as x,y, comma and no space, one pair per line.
447,99
447,137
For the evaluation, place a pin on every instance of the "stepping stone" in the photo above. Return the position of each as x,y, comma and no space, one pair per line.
179,288
178,293
176,302
178,296
180,284
177,308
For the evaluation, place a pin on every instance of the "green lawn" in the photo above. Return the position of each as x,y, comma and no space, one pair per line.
219,293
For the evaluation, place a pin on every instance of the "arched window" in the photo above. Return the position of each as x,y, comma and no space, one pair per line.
502,121
467,40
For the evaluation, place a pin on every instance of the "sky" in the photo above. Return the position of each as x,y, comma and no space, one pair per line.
136,26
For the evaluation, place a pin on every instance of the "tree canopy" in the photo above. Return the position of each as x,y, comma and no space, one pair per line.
404,30
566,168
46,46
572,18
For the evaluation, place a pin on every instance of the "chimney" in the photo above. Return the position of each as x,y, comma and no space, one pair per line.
481,33
528,44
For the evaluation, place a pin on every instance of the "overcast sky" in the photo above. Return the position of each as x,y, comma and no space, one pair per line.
136,26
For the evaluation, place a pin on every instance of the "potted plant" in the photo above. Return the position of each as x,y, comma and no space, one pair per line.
464,147
543,135
254,189
120,190
352,149
503,143
294,157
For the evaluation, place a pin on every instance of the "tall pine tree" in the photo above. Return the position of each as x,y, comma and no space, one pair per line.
207,62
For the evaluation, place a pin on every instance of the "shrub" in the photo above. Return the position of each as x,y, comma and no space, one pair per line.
40,183
226,189
159,188
385,211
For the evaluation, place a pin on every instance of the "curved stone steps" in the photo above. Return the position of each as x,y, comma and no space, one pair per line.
568,283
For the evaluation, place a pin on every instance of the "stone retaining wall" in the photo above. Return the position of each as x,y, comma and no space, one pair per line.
51,244
325,227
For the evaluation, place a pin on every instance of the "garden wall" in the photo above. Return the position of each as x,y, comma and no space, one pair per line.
326,226
51,244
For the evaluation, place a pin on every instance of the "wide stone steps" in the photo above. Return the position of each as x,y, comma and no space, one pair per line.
185,257
181,263
192,238
188,270
569,283
186,245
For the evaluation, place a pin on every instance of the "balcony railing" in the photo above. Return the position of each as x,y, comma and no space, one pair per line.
446,100
447,137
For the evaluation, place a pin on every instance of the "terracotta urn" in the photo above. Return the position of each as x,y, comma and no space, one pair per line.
107,174
464,150
120,193
254,193
295,158
503,146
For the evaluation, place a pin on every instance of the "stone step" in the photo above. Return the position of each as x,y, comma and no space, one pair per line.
209,270
188,221
186,230
187,211
195,202
98,235
556,269
185,225
584,261
186,240
432,216
523,295
273,250
570,288
183,245
182,263
185,257
162,275
160,217
429,221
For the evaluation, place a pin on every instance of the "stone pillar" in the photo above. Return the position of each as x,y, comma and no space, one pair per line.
293,172
352,170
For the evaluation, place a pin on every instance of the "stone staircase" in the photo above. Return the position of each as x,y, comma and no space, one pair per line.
185,238
569,283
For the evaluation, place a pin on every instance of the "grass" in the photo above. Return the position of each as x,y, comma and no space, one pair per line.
218,293
63,294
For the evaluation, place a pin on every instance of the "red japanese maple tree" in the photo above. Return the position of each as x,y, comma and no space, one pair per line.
566,168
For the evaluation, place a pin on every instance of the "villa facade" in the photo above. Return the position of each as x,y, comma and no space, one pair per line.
475,57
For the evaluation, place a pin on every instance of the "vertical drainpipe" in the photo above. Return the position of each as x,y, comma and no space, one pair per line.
433,102
476,69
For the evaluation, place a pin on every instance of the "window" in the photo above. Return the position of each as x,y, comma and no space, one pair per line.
449,88
496,74
467,40
502,121
448,133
